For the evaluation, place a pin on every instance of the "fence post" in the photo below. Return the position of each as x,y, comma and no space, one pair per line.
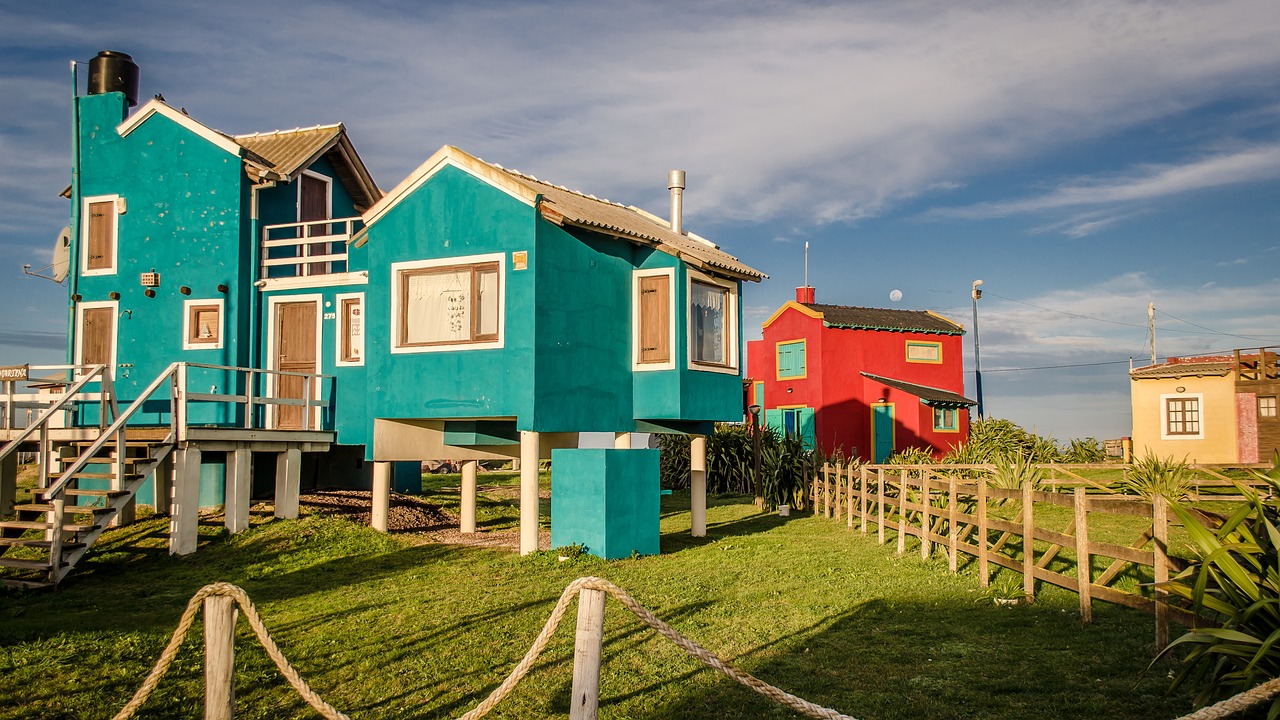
953,535
814,485
862,497
848,496
926,522
219,657
902,512
1160,535
983,571
586,655
1084,570
1028,543
826,491
880,504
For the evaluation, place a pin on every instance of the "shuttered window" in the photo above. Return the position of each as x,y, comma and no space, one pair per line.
96,332
791,359
100,240
654,317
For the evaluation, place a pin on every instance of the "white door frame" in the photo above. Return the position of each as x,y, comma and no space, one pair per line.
273,353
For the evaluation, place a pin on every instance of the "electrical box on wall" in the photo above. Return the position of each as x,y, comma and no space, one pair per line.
150,279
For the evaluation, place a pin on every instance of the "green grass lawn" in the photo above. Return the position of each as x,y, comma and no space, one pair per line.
385,627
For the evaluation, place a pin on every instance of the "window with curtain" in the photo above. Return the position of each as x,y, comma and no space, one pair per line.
708,315
449,305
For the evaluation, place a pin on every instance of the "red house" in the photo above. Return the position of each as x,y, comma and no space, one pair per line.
868,381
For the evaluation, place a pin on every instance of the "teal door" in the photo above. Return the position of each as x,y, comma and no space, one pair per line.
882,432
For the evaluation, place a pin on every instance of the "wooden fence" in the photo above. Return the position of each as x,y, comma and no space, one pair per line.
955,514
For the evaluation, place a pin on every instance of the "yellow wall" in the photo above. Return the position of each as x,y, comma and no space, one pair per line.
1217,419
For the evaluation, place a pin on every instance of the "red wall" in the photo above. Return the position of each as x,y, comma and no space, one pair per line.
842,397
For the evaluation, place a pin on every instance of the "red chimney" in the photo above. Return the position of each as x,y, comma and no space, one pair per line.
805,294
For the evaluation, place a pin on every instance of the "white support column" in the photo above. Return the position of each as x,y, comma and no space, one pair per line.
381,496
288,483
622,441
219,657
529,442
184,521
468,490
238,487
698,484
162,485
8,483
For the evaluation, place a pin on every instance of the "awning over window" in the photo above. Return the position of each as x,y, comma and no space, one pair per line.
934,397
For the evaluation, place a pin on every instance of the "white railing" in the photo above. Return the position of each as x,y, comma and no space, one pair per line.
25,406
300,249
260,389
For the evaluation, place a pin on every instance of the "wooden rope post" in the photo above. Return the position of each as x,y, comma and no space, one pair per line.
953,535
880,504
926,523
983,569
902,512
219,657
1160,535
862,498
1084,571
1028,543
587,655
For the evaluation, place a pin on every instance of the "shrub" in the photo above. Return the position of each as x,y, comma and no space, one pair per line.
1153,476
1014,472
1087,450
1236,582
911,456
784,463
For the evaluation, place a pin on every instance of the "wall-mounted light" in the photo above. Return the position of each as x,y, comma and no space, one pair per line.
1180,389
184,290
113,295
789,391
222,288
126,313
882,400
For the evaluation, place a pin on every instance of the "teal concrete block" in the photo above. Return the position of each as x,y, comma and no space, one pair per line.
605,500
407,478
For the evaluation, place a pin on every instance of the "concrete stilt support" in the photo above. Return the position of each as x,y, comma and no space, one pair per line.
622,441
184,521
381,496
529,442
8,483
288,483
469,468
220,654
698,484
162,484
239,485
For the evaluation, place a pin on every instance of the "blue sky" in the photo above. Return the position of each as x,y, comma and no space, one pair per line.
1081,158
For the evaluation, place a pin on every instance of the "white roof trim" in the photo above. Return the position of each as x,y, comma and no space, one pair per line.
156,106
450,156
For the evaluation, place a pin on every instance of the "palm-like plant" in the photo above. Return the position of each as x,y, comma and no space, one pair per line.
1236,583
1153,476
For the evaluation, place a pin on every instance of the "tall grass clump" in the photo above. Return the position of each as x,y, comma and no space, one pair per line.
785,463
1152,475
1236,584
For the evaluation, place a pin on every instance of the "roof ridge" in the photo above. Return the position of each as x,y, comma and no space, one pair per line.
527,176
286,132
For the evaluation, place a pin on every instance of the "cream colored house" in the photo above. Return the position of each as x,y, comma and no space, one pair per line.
1209,409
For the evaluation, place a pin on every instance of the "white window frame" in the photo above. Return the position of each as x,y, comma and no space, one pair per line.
397,268
328,194
1273,407
84,235
730,323
1164,415
115,331
670,364
186,324
340,329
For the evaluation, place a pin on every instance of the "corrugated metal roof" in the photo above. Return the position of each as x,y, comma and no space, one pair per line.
862,318
931,395
288,152
613,218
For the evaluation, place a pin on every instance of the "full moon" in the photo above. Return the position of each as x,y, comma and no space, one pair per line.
895,295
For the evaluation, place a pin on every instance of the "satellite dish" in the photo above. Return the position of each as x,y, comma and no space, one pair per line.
895,295
62,255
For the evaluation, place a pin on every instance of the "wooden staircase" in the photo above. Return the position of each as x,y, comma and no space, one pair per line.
38,555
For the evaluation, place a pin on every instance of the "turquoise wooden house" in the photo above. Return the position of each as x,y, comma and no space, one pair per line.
254,305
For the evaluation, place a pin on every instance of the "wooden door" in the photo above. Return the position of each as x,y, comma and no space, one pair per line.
97,329
313,204
296,351
882,432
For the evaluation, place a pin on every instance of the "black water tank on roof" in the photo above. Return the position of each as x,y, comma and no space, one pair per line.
114,71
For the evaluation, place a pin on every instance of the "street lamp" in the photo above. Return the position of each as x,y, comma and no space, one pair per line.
977,358
755,449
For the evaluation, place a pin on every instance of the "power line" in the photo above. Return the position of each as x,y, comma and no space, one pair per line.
1105,362
1216,332
1211,331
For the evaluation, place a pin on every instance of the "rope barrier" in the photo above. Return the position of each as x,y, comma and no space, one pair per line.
1230,706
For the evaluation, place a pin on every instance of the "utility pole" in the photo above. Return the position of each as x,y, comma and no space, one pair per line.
1151,327
977,358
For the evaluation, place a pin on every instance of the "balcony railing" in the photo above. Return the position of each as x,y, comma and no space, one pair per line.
303,249
1260,367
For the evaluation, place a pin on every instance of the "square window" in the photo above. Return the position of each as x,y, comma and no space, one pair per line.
202,327
448,305
791,359
924,352
1267,406
1182,416
944,418
708,324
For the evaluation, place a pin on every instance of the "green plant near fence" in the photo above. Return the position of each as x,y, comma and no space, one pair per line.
785,463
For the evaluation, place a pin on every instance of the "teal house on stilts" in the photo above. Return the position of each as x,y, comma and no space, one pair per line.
250,314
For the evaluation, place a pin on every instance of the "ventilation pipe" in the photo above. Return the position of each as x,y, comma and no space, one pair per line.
675,183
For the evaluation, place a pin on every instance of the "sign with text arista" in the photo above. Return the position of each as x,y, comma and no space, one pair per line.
14,372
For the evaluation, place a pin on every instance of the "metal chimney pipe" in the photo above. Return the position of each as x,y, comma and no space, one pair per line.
675,183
